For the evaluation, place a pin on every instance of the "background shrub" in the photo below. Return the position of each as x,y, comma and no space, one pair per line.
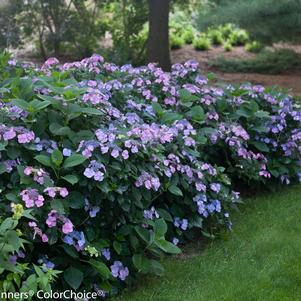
254,47
176,41
189,34
216,36
202,43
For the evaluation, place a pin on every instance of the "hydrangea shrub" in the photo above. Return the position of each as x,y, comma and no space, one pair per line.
106,168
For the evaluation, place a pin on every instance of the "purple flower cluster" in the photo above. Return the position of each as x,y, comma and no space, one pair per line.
32,198
106,253
146,136
148,181
54,217
53,191
205,206
38,231
93,210
182,224
39,174
151,214
119,271
95,170
23,135
76,239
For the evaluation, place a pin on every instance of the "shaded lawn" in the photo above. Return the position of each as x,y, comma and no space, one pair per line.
260,260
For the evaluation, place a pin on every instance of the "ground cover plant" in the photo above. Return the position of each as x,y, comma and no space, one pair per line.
104,168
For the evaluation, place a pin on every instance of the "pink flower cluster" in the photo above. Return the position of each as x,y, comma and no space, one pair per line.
32,198
53,191
23,135
54,217
39,174
38,231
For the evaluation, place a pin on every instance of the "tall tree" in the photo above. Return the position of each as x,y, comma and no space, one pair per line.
158,39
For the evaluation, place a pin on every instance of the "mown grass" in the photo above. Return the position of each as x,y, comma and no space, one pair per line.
260,260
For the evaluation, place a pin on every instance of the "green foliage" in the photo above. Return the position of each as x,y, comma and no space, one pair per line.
254,47
202,43
189,34
265,233
127,25
9,29
216,36
266,20
238,37
57,27
266,61
228,46
176,42
116,166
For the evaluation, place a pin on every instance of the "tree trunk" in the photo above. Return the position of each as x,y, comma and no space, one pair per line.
158,39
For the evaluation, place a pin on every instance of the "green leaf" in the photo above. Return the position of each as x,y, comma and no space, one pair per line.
39,105
72,179
91,111
260,146
70,250
160,227
167,246
45,160
21,104
7,224
156,268
197,113
157,109
243,113
13,153
57,157
73,277
186,96
58,206
175,190
13,239
101,268
165,214
141,263
170,117
75,200
74,160
2,168
144,234
59,130
117,246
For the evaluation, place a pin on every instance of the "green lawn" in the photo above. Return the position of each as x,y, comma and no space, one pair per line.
260,260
